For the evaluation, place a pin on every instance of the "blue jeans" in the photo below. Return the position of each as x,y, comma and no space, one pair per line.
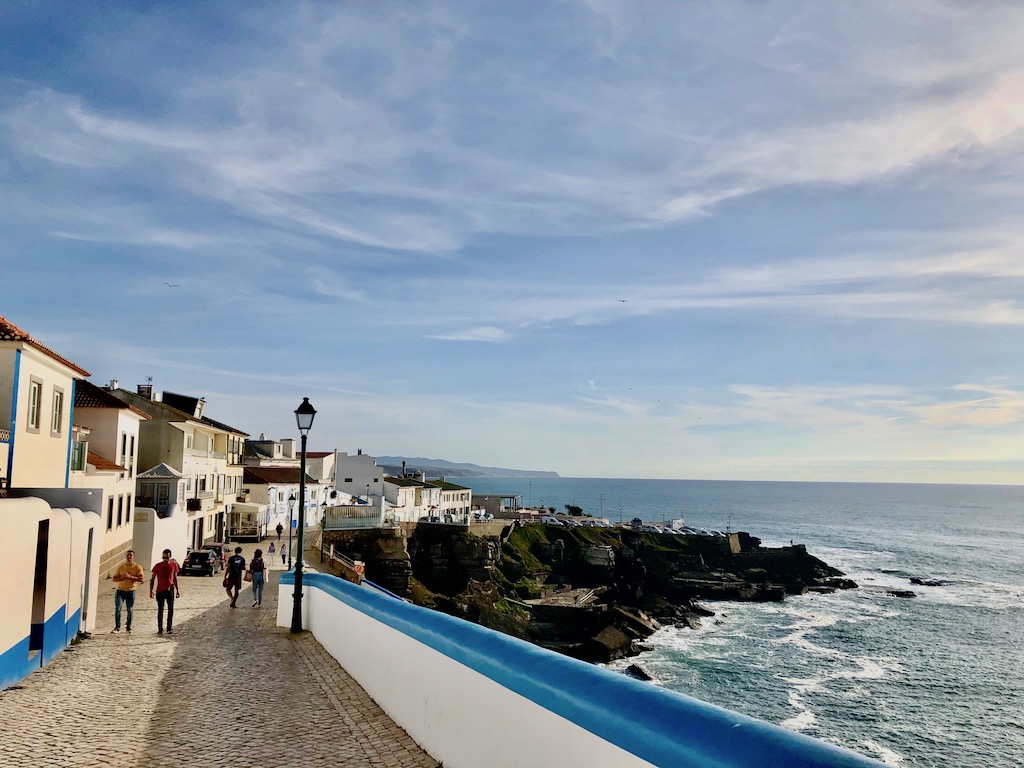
257,587
128,598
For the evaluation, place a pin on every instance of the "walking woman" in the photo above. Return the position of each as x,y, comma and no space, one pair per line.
258,570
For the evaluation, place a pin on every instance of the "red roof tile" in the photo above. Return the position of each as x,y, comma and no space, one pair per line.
104,465
10,332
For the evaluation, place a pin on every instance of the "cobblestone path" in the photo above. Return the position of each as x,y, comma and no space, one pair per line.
228,688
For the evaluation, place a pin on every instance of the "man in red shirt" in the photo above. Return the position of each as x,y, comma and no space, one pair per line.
165,574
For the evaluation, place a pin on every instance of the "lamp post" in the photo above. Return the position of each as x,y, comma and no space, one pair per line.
304,420
291,511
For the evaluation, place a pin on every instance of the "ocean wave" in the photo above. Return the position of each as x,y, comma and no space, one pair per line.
886,755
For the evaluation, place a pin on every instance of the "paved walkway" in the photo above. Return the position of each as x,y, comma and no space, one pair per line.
228,688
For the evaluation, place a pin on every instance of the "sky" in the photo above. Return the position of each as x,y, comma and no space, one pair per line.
716,240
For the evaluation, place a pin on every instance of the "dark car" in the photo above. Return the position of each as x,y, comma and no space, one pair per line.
198,562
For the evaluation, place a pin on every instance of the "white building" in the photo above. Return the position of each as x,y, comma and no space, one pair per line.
359,476
207,454
104,457
37,390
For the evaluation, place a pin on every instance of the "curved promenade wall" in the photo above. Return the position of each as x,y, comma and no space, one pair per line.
471,696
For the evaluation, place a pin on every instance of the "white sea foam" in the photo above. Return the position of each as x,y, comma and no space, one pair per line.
886,755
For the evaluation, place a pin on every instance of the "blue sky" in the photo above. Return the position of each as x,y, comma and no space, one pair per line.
697,240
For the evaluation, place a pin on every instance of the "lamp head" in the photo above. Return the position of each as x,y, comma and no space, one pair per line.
304,416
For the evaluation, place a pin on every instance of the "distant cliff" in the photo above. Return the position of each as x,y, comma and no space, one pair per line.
434,467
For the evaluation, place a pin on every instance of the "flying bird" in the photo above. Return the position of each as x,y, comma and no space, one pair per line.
624,301
171,285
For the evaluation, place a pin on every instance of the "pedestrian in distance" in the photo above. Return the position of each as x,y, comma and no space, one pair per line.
258,570
271,551
127,576
233,576
280,530
284,553
164,576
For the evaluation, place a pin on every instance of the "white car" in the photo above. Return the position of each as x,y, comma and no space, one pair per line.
550,520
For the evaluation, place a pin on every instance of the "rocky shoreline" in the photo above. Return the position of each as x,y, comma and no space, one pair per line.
591,593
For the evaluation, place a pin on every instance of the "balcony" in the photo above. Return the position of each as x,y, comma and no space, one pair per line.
354,517
206,454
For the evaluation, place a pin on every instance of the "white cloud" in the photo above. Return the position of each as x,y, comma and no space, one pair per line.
486,333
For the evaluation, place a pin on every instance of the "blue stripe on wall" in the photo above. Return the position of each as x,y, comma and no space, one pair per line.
14,414
15,665
657,725
71,420
71,627
54,640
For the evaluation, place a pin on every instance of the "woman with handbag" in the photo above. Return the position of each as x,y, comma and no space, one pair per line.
256,573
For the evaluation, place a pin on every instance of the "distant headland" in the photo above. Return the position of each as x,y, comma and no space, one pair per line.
435,467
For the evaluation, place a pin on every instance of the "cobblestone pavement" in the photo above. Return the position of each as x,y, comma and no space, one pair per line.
228,688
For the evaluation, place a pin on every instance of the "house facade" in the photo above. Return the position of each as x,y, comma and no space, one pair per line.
264,484
105,458
37,391
359,476
206,453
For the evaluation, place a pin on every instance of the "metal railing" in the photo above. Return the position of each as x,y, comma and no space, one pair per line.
5,435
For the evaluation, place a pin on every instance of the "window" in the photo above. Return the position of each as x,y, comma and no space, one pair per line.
77,456
348,479
188,441
124,449
164,494
57,418
131,457
110,513
120,511
35,401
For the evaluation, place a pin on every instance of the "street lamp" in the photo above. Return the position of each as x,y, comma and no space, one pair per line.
291,511
304,420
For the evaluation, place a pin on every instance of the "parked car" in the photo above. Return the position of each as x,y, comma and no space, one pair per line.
551,520
199,562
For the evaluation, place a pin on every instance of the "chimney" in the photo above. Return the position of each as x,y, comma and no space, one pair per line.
403,468
113,384
359,451
199,407
145,390
288,447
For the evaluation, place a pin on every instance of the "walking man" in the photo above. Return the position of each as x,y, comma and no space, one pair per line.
279,529
233,576
165,575
127,576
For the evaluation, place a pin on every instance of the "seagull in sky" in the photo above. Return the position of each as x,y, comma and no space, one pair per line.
624,301
171,285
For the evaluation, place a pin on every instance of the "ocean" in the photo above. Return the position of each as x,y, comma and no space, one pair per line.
933,680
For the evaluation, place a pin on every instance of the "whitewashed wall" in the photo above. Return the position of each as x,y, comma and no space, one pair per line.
65,604
473,697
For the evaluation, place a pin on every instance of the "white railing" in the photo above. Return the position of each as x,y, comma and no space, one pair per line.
353,517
